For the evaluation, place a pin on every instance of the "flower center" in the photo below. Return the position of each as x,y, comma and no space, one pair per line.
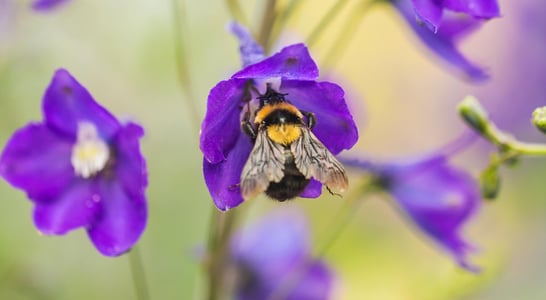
90,153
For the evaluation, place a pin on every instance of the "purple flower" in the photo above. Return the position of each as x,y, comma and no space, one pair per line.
81,167
292,72
433,12
273,257
44,5
436,196
442,40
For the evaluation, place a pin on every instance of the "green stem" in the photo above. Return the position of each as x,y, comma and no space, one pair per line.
325,21
236,12
182,62
347,31
506,142
346,214
139,276
282,19
221,229
268,19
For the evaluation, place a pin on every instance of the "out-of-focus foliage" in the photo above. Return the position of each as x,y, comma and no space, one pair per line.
124,52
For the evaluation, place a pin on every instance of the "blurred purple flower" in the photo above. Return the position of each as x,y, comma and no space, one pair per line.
291,71
442,40
273,257
81,168
436,196
44,5
432,12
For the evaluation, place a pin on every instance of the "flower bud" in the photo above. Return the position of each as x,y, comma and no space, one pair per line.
473,113
539,119
490,182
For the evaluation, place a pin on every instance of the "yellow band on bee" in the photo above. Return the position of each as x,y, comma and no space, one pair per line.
284,134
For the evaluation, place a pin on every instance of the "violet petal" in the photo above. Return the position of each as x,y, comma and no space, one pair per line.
76,207
484,9
292,62
222,126
442,43
121,220
335,126
251,52
223,179
37,160
440,199
130,163
44,5
67,102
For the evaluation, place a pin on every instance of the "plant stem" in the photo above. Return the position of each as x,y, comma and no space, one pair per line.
236,12
347,31
182,62
139,276
268,19
325,21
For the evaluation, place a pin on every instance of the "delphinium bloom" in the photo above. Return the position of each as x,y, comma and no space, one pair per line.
292,74
44,5
81,167
446,23
435,195
435,12
273,260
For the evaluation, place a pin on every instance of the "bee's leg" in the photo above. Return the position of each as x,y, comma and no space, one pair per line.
311,119
246,126
332,193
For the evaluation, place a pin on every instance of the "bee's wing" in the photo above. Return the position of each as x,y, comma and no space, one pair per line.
264,165
313,160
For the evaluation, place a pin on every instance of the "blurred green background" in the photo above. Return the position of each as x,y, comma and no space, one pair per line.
404,101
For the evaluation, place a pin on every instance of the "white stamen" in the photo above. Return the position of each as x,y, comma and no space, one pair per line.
90,153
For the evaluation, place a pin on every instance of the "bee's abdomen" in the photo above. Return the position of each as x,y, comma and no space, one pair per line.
291,185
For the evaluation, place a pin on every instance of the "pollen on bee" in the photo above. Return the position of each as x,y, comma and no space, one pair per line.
90,154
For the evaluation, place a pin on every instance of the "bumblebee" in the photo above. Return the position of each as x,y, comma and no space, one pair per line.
286,153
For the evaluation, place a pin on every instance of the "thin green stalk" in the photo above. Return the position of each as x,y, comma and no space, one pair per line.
268,19
346,214
236,12
220,232
140,283
182,62
347,31
325,21
282,19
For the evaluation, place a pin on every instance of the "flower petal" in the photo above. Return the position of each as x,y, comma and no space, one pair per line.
130,166
37,160
251,52
477,8
312,190
439,199
76,207
66,103
121,221
222,126
44,5
292,62
223,178
274,245
335,126
429,11
316,284
443,43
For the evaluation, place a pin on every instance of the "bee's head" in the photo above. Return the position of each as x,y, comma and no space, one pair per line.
271,96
